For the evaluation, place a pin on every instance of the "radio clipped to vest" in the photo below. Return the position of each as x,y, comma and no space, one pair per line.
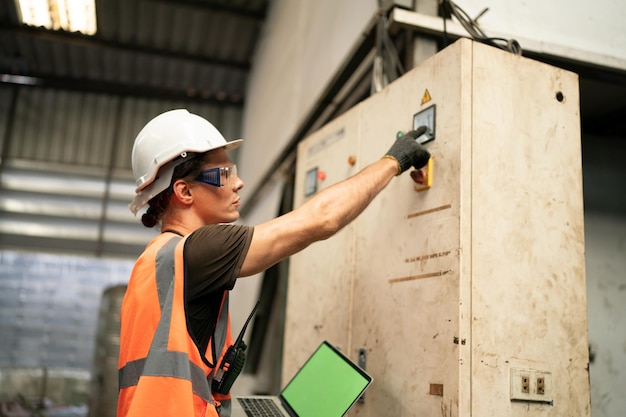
233,361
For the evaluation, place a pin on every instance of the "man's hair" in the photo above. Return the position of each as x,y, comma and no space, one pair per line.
188,171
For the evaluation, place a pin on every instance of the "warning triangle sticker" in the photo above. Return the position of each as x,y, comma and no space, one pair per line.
426,98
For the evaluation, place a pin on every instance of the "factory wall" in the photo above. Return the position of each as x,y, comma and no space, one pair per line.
606,289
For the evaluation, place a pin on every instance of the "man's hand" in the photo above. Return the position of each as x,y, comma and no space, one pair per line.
407,152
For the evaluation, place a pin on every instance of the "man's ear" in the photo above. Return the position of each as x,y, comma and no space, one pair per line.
182,192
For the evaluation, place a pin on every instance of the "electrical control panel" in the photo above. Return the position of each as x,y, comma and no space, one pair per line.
466,293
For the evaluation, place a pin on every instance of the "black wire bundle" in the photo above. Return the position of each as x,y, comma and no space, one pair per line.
471,26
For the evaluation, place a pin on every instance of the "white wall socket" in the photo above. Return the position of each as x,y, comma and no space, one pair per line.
531,385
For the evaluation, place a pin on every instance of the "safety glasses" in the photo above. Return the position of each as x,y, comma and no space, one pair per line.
220,176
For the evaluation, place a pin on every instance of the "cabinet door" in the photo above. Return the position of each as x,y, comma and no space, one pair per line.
407,287
528,278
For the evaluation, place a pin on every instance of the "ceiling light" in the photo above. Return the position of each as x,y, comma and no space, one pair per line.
68,15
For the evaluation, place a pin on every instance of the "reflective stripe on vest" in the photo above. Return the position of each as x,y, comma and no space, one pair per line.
160,361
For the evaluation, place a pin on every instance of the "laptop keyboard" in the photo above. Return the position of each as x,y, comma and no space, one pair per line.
260,407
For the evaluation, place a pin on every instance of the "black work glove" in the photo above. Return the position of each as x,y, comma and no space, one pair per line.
407,152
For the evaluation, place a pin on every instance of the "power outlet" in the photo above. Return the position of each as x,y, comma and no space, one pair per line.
531,385
525,384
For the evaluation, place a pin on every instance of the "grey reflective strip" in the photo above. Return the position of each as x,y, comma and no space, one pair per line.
165,268
129,374
171,364
160,361
159,342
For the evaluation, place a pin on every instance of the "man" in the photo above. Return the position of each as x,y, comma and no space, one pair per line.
174,320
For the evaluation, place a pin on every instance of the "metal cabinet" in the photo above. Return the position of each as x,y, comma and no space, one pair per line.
467,298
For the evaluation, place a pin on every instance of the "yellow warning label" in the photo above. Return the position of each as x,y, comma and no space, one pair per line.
426,98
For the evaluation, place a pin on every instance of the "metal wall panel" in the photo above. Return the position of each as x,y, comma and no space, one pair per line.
65,177
7,98
66,128
49,307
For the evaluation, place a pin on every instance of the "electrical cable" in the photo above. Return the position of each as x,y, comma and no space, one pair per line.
471,26
387,64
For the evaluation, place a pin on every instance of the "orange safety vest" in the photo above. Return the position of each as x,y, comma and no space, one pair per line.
161,372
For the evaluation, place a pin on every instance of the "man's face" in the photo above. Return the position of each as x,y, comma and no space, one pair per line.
218,204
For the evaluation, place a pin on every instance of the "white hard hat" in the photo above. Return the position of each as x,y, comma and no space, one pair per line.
168,136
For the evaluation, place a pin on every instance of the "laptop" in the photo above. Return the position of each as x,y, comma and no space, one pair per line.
327,385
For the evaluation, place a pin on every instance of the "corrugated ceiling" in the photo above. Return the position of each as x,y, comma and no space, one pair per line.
71,105
181,49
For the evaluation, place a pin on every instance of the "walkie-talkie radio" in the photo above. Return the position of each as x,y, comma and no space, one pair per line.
233,362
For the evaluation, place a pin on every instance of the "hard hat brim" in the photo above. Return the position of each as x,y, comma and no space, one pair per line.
233,144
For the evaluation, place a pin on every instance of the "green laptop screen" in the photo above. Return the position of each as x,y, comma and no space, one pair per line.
327,385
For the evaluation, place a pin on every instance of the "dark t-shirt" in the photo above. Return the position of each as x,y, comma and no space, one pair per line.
213,256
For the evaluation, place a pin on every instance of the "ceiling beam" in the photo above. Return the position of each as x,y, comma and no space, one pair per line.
95,42
29,79
259,14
